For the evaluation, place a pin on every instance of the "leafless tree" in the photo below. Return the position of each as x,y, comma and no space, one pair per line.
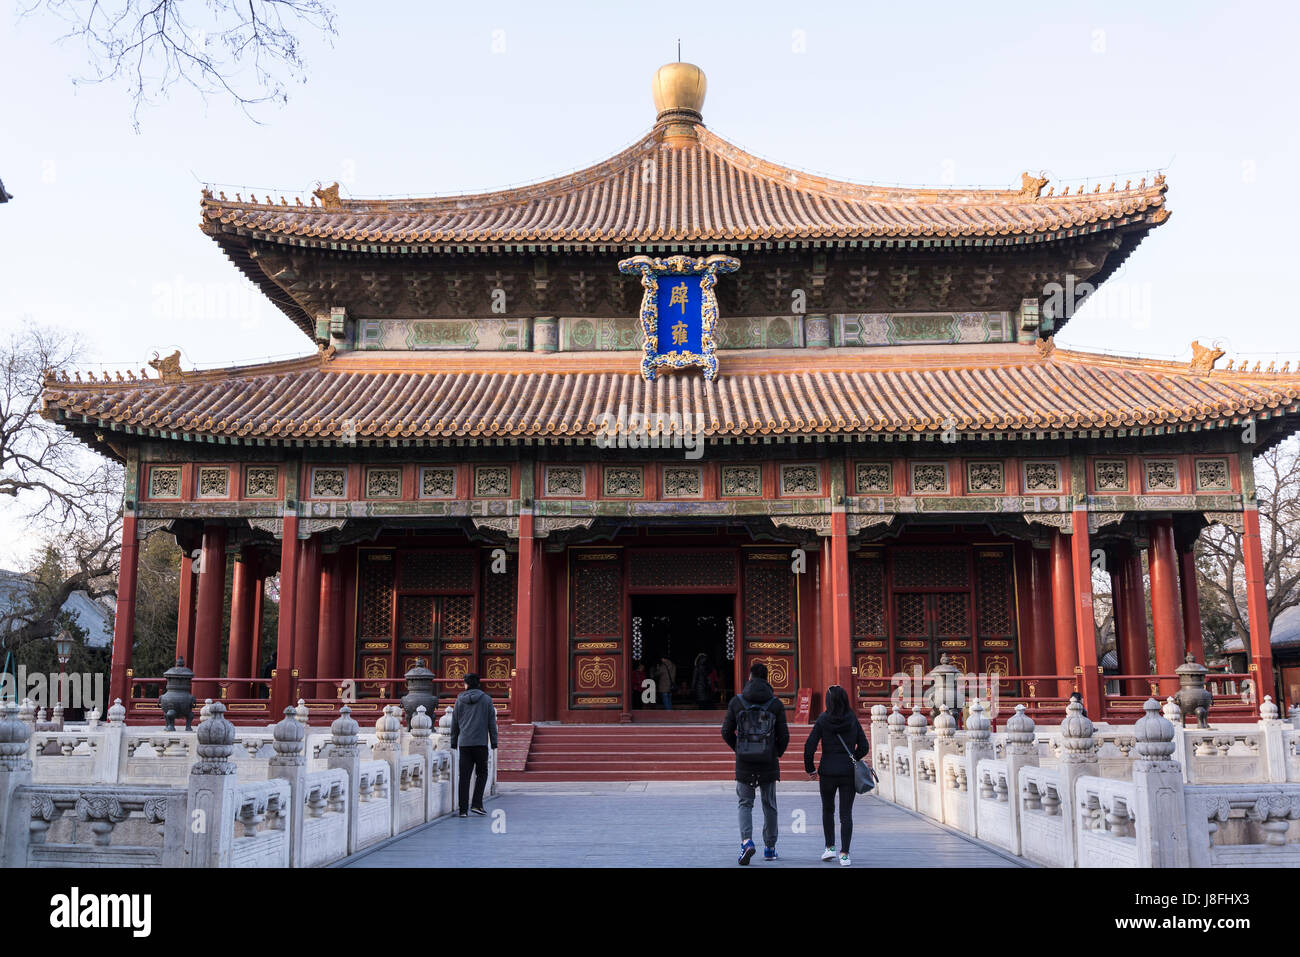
1277,479
247,50
67,498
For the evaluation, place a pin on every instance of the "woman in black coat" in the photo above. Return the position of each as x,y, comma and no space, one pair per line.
839,732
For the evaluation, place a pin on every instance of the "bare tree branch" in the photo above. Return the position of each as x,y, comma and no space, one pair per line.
246,50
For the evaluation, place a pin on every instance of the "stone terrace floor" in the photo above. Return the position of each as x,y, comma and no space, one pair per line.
667,824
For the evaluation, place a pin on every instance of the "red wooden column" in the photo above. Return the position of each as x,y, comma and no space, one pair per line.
185,612
1261,651
124,622
282,677
1064,637
841,624
329,660
526,664
825,638
1191,596
259,595
209,612
1084,620
1134,655
1166,610
807,630
1040,613
242,599
306,634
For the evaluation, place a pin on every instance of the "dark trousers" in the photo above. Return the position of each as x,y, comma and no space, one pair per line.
473,758
829,786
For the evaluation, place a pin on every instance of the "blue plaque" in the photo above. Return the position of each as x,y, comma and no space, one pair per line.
679,311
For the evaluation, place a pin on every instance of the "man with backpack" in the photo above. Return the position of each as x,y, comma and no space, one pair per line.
755,728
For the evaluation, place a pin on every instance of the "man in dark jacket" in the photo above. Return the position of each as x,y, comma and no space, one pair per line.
761,775
473,729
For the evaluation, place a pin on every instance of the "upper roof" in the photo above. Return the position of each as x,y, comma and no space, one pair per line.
696,188
903,391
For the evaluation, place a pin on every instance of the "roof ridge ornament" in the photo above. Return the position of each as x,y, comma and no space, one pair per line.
1031,187
1046,346
328,195
1204,358
169,369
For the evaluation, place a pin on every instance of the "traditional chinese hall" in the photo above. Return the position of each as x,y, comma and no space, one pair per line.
850,448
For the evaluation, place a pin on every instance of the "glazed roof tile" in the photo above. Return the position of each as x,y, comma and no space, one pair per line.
514,396
703,190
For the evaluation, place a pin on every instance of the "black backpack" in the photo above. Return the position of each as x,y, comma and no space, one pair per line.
756,733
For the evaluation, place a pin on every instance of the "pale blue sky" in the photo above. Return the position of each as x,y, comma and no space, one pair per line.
411,98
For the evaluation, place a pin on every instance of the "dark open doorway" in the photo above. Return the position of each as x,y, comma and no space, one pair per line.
691,630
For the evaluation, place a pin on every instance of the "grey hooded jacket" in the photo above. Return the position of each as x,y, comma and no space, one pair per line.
473,720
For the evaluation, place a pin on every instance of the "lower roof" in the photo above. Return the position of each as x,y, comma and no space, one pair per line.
905,391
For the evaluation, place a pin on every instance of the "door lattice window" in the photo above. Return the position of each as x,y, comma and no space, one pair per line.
769,600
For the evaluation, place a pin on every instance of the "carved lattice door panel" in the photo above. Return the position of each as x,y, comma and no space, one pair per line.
596,630
769,621
995,612
497,646
376,607
871,652
414,607
928,625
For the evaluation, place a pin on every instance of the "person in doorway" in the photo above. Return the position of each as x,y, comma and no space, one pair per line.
473,730
843,742
665,681
755,729
700,682
638,679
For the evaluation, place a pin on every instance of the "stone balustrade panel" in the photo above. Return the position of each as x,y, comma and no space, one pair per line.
1043,826
904,790
157,757
411,782
91,827
325,827
1221,756
1105,822
929,797
993,803
261,837
955,793
374,808
1254,825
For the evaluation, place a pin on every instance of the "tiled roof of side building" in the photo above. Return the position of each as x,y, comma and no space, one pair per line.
513,395
703,190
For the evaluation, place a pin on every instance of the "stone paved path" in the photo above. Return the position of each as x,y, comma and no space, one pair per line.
666,825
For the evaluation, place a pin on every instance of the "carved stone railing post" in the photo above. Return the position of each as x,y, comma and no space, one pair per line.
1158,793
421,746
1078,758
896,724
979,746
1021,752
388,748
345,753
289,763
1270,726
945,743
918,739
213,793
15,772
878,736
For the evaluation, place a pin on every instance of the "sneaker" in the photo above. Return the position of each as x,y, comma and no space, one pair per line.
479,811
828,854
747,850
769,854
463,814
844,860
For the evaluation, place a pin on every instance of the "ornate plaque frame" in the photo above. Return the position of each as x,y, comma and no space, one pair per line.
650,269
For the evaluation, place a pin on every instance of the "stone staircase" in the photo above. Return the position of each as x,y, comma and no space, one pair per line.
634,752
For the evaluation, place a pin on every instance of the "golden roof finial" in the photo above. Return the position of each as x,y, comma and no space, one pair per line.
678,90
